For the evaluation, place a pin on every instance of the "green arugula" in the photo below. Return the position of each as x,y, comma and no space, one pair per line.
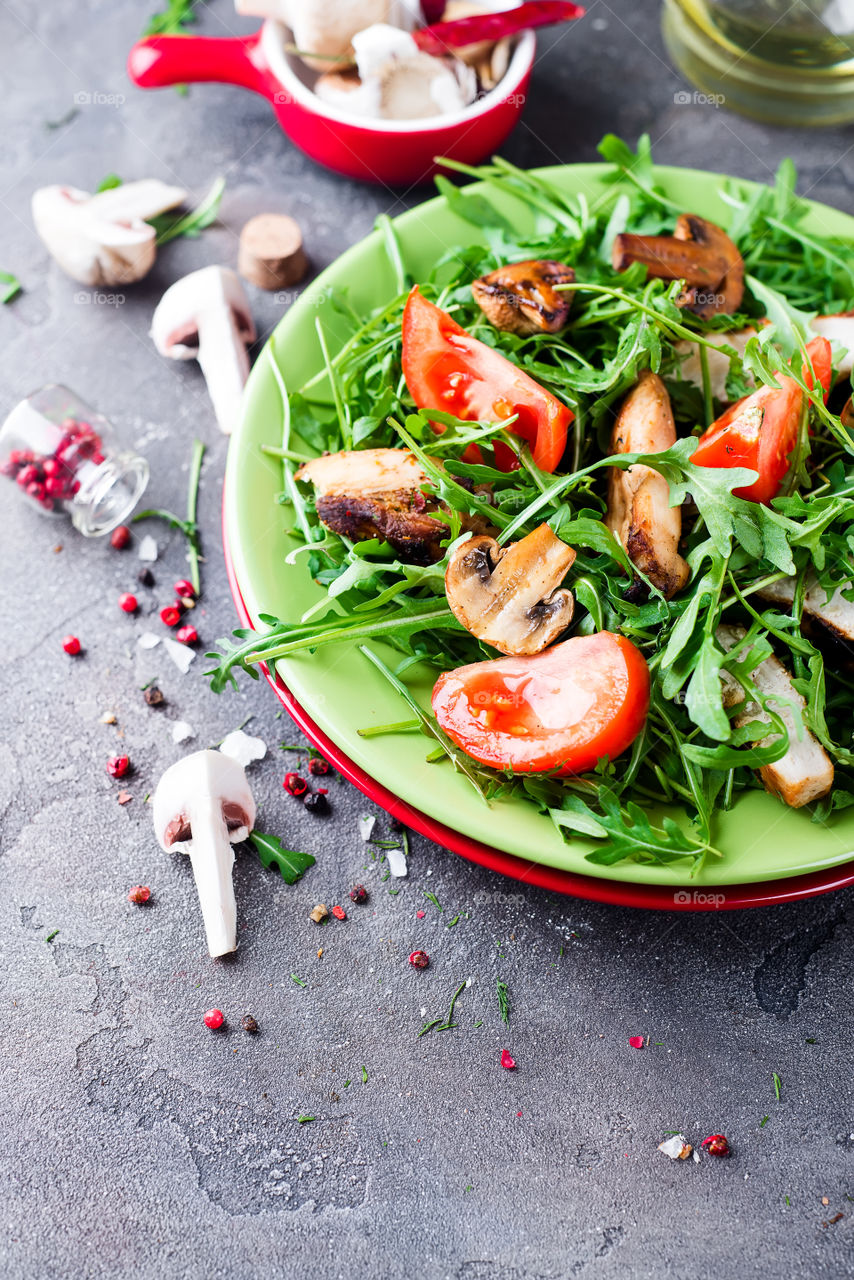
289,863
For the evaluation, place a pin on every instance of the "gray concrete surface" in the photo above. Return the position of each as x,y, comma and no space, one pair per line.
137,1144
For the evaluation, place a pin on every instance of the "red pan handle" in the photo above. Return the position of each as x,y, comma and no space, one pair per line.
164,60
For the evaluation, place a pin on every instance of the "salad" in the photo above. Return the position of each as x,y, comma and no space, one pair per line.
600,477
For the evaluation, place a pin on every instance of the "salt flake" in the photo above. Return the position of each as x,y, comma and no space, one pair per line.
396,860
148,640
181,654
366,827
240,747
182,732
148,549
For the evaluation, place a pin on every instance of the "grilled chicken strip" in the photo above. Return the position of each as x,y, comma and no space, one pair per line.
638,498
837,613
376,493
805,772
691,369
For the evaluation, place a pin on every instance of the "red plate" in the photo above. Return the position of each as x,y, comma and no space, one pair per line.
655,897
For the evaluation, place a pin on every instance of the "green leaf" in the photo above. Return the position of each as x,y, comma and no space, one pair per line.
272,853
10,287
107,184
192,223
703,696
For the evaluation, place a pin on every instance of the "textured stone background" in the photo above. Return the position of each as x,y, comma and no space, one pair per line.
134,1142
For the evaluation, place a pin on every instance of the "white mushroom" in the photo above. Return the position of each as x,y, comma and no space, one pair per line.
205,316
202,806
805,772
838,328
325,28
510,597
103,239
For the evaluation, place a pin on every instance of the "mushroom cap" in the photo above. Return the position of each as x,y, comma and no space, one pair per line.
522,297
103,239
178,314
700,253
727,296
204,776
510,597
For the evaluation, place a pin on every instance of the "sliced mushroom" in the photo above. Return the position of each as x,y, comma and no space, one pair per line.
510,597
377,493
805,772
639,511
522,297
103,239
838,328
699,253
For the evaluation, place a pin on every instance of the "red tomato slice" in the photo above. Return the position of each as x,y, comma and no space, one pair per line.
446,368
561,710
761,430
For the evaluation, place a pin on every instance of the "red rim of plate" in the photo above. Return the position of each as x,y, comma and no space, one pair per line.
652,897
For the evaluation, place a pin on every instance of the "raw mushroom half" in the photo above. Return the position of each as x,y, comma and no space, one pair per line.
202,806
510,597
103,239
205,316
523,297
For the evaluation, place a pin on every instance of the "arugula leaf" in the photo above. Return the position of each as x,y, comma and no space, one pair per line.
288,862
193,223
10,287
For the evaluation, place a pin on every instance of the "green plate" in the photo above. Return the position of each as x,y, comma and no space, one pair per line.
761,838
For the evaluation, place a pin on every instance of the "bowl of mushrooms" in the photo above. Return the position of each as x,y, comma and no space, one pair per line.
371,89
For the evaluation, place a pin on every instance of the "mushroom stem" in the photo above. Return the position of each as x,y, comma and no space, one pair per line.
219,332
212,859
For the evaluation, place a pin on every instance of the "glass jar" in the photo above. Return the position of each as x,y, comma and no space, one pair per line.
64,459
787,61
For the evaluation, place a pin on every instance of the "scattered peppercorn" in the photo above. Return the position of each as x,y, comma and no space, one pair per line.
184,588
249,1024
170,615
319,913
120,537
319,767
419,959
316,803
339,913
139,893
146,577
128,603
358,893
117,766
214,1018
716,1144
509,1063
323,791
295,785
71,645
153,696
187,635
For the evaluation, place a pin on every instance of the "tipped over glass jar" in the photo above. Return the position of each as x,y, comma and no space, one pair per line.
64,459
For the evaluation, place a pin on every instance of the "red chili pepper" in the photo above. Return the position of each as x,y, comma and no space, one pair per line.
442,36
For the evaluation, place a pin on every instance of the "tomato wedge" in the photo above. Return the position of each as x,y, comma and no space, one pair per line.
446,368
761,430
559,711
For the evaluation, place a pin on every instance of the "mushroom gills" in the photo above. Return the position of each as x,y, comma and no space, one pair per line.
639,512
523,297
376,493
510,597
805,772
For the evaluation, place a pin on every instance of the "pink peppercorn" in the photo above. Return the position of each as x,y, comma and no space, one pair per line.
128,603
419,959
507,1062
170,615
71,645
120,537
339,913
295,785
184,588
117,766
139,893
187,635
214,1018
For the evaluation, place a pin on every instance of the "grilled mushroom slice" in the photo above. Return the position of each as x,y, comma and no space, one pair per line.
805,772
376,493
522,297
699,253
510,597
639,510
